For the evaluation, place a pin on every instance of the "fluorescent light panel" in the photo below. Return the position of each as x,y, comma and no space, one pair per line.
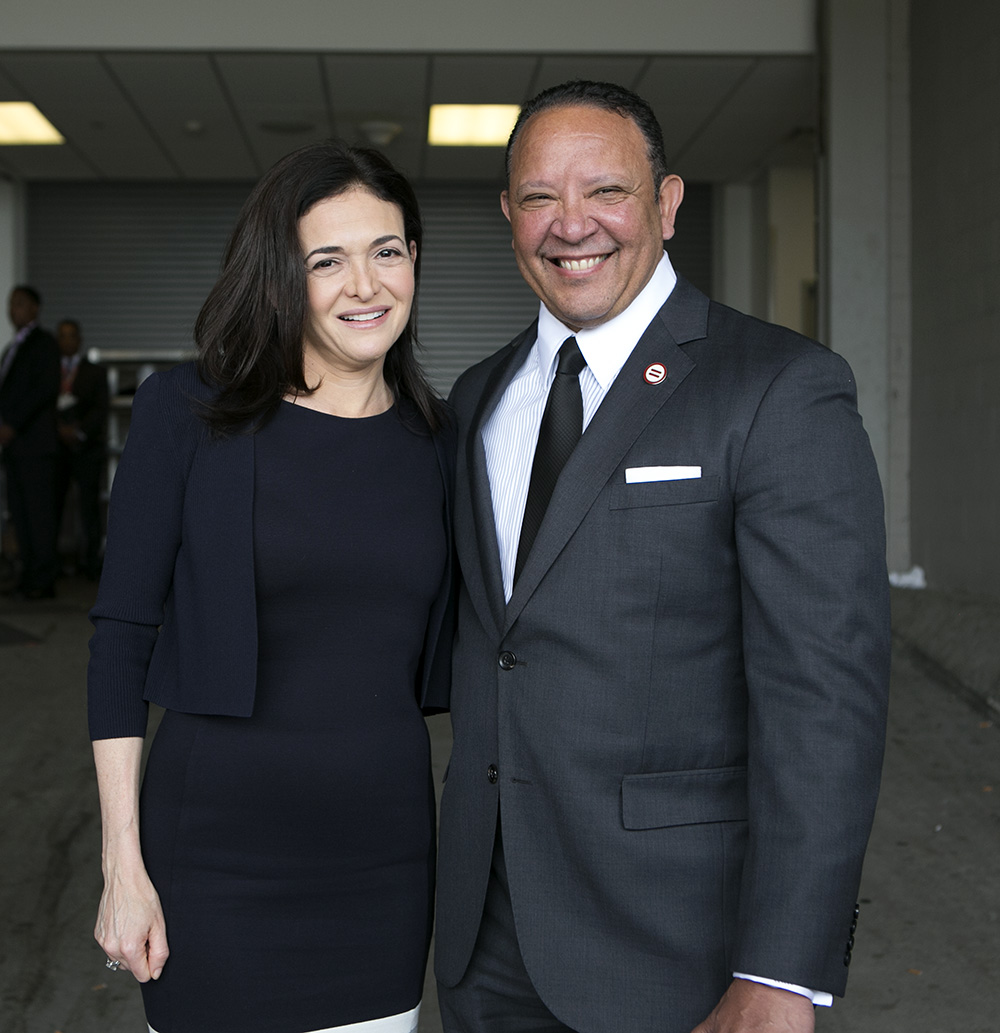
471,125
23,123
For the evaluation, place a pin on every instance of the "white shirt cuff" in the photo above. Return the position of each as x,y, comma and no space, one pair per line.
818,997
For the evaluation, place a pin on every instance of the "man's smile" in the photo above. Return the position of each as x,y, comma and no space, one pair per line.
579,265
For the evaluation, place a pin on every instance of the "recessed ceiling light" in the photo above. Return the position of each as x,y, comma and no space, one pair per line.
471,125
22,123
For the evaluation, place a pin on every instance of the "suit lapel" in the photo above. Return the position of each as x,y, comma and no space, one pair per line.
475,527
627,408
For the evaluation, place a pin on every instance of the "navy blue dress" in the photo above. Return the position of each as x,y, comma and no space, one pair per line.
293,850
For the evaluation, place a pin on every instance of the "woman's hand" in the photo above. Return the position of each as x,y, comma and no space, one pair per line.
130,925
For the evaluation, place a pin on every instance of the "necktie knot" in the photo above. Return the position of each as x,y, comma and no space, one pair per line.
571,360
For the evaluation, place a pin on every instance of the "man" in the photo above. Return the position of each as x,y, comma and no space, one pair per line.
82,416
29,386
669,706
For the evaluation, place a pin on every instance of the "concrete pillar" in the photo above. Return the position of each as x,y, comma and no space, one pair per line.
898,491
865,205
12,242
740,247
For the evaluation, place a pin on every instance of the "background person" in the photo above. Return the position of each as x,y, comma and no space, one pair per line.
82,419
670,677
29,385
280,515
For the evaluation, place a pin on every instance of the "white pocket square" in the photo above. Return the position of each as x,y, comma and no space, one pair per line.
641,474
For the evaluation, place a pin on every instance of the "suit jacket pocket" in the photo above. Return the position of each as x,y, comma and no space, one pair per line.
670,798
664,493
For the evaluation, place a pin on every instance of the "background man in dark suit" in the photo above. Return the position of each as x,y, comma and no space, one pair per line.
29,386
670,678
82,416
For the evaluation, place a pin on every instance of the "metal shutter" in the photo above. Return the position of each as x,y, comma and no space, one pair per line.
132,262
472,298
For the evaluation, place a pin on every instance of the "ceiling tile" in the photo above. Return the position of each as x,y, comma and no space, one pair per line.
685,92
124,114
481,79
273,94
596,67
175,90
86,104
381,88
55,161
9,90
776,101
50,162
376,85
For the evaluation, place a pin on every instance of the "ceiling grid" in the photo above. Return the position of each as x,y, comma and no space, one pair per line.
225,116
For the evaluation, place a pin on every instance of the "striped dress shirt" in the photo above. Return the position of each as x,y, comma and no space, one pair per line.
511,432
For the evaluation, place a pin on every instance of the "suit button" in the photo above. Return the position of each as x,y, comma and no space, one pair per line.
850,943
492,774
847,959
507,660
854,926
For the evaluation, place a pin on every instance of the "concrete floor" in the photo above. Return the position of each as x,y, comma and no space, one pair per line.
928,953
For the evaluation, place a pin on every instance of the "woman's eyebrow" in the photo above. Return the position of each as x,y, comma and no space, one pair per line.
334,249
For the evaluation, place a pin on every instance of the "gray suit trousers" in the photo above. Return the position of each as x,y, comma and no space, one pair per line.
496,994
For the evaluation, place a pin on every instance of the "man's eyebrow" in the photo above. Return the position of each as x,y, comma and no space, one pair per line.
607,179
336,249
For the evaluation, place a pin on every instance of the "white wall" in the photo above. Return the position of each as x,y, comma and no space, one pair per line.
865,231
12,251
671,26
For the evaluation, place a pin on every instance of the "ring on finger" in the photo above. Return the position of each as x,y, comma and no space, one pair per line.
112,964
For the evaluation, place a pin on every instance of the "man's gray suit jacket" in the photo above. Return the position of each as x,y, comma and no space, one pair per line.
680,712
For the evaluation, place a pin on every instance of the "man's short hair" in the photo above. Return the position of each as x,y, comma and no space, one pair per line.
610,97
69,322
23,288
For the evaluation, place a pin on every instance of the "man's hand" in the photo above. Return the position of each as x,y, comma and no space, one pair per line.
749,1007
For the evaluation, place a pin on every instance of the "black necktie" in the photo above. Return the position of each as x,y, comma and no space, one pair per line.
562,425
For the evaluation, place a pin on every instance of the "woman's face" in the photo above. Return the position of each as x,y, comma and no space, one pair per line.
359,275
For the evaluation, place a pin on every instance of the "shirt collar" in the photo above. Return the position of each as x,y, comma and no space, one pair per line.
606,347
24,331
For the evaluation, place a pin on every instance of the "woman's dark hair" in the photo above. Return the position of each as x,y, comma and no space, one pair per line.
250,330
610,97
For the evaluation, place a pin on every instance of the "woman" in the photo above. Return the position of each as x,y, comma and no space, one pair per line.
276,577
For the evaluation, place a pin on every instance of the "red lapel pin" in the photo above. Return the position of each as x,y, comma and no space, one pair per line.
655,374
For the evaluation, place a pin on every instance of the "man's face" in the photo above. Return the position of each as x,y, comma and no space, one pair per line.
587,224
68,339
22,309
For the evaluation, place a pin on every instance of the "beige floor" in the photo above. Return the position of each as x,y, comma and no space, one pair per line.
928,952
